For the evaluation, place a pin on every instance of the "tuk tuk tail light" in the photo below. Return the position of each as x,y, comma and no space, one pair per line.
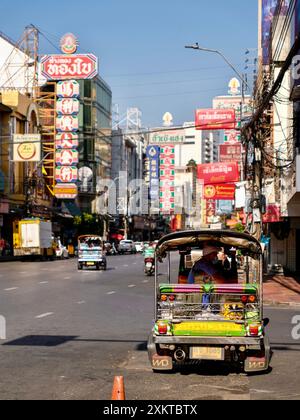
172,298
254,330
252,299
163,329
164,298
245,299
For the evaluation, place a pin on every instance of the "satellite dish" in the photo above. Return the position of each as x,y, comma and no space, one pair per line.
85,175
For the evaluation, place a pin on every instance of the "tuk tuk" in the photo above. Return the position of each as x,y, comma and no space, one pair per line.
208,320
90,252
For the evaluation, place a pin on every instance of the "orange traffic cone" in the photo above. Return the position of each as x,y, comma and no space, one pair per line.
118,393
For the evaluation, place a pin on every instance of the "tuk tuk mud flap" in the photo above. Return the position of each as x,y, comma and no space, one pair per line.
209,329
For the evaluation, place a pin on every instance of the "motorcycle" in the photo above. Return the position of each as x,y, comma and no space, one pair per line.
149,266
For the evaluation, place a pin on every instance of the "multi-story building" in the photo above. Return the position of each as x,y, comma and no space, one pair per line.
95,138
275,129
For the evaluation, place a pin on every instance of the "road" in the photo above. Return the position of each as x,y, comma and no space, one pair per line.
69,333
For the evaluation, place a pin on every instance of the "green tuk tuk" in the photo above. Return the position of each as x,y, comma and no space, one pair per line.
209,319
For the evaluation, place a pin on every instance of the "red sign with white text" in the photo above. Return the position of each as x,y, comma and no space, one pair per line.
230,153
215,119
219,173
219,192
64,67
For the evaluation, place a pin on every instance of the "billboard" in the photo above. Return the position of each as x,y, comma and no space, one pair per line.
219,192
27,148
67,157
66,174
218,173
65,67
269,9
215,119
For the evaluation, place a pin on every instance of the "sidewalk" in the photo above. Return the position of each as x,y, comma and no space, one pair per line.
282,290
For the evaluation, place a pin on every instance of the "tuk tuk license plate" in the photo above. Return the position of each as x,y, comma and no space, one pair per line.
90,264
207,353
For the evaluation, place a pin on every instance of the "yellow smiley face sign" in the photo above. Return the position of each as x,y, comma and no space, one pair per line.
209,192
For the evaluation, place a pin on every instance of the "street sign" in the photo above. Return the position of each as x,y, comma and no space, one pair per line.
64,67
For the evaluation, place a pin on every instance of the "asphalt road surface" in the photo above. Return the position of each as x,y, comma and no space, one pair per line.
69,333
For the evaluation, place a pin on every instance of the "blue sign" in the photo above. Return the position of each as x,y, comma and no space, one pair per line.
2,181
153,155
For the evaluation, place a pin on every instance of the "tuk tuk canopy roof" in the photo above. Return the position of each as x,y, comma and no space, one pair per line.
219,238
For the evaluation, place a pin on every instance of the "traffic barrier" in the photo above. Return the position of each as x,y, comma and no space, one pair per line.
118,393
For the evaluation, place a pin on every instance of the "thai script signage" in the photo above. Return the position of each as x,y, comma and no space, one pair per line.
64,67
215,119
27,148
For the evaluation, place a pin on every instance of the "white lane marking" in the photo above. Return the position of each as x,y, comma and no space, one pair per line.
131,286
67,278
111,293
125,265
11,289
44,282
44,315
145,281
81,302
23,272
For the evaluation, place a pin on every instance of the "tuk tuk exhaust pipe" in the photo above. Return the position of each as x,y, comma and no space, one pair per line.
179,355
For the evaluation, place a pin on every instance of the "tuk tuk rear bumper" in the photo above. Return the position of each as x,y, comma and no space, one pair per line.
254,343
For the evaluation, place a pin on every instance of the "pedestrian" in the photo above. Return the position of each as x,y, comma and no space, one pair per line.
2,246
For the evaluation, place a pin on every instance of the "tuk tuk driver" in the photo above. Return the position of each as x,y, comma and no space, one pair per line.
209,267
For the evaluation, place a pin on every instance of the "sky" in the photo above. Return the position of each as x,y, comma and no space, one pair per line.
140,45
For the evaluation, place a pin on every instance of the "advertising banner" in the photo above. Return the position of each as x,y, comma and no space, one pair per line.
269,8
232,136
167,137
66,141
63,67
167,179
68,89
66,174
153,155
66,191
215,119
230,153
67,123
272,215
66,157
218,173
219,192
27,148
67,106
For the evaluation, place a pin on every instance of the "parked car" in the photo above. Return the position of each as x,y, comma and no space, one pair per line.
127,247
139,246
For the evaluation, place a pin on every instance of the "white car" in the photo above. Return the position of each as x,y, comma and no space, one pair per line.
139,246
127,246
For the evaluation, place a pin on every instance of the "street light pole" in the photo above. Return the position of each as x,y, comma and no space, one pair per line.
240,76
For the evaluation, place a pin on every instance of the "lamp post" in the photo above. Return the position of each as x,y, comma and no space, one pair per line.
240,76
